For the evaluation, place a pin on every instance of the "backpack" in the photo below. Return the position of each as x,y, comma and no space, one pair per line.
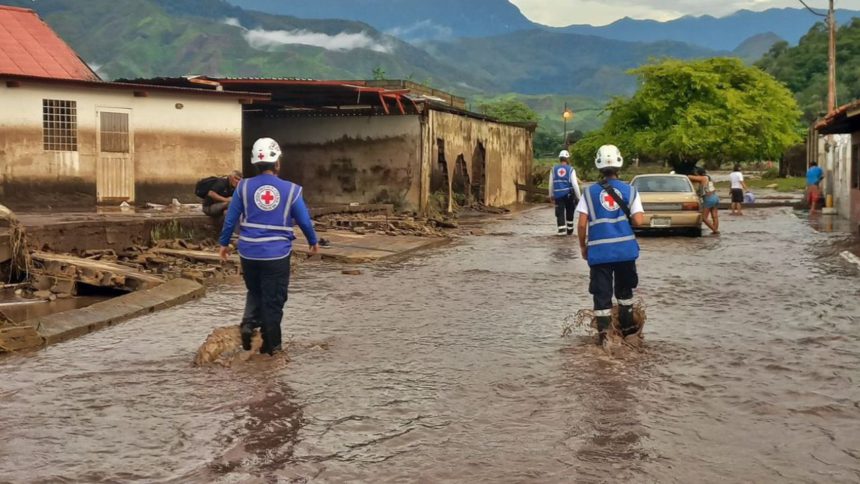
204,185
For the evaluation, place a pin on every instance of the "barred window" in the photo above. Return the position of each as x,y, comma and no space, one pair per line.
114,132
59,125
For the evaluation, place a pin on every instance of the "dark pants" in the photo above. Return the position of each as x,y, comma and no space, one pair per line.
267,282
564,208
216,209
602,287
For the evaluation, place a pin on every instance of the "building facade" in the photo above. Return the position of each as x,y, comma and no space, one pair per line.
838,143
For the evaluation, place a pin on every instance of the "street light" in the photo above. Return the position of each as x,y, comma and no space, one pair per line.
566,115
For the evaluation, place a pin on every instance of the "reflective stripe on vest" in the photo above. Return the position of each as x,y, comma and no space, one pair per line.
266,228
610,235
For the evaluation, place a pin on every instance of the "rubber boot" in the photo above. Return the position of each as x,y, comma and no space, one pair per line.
603,325
246,329
626,321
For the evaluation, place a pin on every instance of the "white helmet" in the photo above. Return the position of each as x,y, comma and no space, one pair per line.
608,156
266,150
564,155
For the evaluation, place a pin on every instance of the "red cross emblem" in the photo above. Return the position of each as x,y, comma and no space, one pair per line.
611,201
267,198
608,202
261,155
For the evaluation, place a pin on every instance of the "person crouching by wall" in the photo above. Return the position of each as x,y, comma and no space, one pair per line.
267,210
220,192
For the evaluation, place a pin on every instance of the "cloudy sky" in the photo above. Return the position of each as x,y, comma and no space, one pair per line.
599,12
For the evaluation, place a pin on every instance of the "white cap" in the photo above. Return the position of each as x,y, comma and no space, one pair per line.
608,156
266,150
564,154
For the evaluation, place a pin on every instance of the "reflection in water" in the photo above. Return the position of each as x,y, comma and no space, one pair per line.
449,367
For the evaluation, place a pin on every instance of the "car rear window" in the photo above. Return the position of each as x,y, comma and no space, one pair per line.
663,184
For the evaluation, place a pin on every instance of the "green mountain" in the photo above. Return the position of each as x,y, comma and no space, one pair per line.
755,47
804,68
540,62
149,38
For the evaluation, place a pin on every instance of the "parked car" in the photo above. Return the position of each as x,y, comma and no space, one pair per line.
670,203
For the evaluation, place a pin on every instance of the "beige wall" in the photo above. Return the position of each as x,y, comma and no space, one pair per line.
507,153
172,147
365,159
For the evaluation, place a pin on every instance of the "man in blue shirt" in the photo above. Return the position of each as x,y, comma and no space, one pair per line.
814,175
267,210
607,212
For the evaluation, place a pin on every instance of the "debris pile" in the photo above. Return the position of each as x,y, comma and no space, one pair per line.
392,225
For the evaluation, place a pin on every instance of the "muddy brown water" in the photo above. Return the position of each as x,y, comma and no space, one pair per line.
450,367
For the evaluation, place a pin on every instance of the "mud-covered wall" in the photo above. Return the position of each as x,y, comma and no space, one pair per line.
171,147
475,160
365,159
855,190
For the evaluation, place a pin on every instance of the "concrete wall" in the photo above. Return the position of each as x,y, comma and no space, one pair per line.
344,159
854,193
837,167
496,157
172,148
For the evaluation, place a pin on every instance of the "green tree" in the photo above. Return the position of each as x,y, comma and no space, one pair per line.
378,73
803,68
715,110
509,110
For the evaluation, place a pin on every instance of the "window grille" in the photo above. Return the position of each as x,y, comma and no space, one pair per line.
114,132
59,125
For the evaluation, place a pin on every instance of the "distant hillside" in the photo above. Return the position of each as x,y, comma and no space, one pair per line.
408,19
754,48
804,68
542,62
725,33
148,38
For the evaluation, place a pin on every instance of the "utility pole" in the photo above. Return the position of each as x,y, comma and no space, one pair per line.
566,115
831,88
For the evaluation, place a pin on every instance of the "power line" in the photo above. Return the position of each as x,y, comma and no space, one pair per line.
811,10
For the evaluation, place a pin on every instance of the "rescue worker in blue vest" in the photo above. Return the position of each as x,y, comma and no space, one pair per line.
564,191
267,210
607,241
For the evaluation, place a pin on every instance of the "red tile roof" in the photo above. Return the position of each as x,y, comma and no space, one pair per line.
29,47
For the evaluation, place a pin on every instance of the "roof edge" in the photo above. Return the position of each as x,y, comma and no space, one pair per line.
255,96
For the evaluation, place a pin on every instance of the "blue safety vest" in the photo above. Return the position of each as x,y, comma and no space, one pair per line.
610,235
266,227
561,185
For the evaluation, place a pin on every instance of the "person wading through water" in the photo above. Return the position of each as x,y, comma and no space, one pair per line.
266,209
564,191
608,243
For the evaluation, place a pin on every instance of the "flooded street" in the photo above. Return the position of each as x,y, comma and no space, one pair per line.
451,367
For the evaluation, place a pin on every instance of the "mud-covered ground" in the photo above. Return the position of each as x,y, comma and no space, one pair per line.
451,367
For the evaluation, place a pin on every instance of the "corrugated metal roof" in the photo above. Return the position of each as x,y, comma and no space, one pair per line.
29,47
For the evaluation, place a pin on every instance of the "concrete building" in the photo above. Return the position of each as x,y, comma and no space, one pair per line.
839,155
69,139
358,141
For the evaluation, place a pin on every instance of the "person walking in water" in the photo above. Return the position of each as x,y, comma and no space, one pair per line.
266,209
607,213
814,175
564,191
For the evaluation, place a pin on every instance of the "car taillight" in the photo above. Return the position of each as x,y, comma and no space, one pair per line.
690,206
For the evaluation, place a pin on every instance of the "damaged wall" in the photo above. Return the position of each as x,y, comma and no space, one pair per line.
174,139
344,159
472,159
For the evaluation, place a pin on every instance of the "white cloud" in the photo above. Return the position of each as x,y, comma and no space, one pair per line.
599,12
269,39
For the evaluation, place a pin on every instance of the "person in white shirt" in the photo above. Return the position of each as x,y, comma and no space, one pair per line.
739,186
